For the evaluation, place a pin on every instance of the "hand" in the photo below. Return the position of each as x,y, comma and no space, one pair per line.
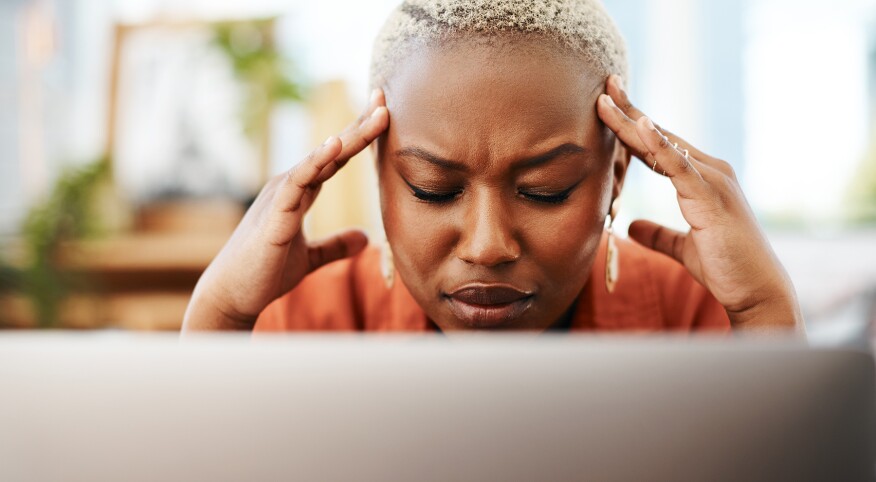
268,255
725,249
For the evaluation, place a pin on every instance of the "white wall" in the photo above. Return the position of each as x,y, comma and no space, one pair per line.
807,104
800,125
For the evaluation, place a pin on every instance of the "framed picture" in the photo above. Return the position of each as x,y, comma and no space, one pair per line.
186,119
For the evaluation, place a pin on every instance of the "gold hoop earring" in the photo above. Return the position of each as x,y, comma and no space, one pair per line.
387,267
612,266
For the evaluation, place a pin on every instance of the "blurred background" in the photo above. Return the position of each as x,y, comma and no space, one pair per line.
133,134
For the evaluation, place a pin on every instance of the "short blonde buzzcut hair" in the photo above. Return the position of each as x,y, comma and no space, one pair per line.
580,26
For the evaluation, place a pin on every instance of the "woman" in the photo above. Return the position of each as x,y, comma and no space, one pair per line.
503,134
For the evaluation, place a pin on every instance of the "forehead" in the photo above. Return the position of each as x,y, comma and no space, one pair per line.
502,97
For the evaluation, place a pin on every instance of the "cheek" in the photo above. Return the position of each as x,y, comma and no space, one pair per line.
565,238
420,236
563,230
563,242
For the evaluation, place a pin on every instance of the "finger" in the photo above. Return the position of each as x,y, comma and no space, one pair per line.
679,167
628,132
339,246
304,177
623,127
352,136
659,238
376,99
355,140
616,90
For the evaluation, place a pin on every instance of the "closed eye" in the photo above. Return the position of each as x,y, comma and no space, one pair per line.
435,197
440,197
547,198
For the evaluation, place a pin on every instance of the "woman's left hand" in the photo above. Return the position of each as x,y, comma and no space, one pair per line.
725,249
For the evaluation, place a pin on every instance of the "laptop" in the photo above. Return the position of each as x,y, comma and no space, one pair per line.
112,407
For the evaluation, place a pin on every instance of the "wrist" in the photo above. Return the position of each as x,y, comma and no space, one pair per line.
205,314
779,313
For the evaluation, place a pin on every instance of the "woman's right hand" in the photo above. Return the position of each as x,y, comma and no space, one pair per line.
268,254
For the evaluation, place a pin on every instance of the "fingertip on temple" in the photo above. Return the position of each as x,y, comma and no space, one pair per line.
381,119
381,111
614,84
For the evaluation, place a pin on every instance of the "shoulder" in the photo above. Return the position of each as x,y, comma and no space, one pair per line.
346,295
653,292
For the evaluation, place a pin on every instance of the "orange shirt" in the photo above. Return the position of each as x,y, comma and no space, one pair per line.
653,293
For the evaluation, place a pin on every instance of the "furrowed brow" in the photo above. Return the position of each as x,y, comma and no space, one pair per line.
526,163
559,151
423,154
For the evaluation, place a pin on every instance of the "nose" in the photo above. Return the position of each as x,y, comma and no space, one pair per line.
488,237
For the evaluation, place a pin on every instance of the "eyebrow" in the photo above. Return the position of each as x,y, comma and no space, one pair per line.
525,163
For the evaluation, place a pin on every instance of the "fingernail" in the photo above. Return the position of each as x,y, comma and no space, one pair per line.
649,124
376,112
374,94
328,139
608,100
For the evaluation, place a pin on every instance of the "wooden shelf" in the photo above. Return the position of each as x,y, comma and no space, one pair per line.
141,280
144,252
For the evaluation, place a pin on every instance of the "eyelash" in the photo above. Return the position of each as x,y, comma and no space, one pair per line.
434,197
445,197
558,198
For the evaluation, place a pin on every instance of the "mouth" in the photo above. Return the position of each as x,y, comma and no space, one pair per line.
488,305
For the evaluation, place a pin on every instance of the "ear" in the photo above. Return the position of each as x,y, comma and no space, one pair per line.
620,160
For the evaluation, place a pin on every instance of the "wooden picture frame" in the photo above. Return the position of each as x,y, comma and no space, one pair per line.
156,126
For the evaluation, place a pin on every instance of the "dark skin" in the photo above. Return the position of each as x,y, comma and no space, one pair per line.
490,181
497,171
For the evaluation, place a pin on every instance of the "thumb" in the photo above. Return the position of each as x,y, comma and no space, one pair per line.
659,238
340,246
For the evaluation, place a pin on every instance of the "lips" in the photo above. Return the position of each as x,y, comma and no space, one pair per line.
486,306
488,295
